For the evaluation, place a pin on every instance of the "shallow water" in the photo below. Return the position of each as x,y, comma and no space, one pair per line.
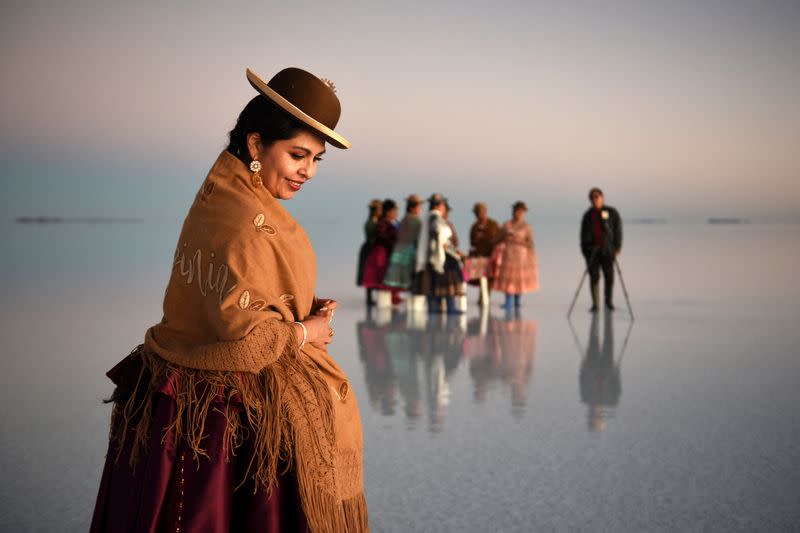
682,420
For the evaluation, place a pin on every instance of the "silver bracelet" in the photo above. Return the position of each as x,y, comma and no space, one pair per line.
305,334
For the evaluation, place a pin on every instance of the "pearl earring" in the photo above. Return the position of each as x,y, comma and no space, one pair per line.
255,167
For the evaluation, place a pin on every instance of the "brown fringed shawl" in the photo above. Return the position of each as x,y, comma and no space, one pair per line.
244,270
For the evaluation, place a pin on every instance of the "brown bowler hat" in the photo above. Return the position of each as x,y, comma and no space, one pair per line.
306,97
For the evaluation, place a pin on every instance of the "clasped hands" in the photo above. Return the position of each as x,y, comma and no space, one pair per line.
318,323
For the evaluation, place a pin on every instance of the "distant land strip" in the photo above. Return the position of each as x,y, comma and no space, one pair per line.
728,220
649,221
78,220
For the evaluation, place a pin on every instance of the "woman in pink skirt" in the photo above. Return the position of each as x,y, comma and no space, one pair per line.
378,260
516,270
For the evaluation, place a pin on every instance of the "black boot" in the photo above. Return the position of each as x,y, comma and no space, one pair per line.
610,293
595,297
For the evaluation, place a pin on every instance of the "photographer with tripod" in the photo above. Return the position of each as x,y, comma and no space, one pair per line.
601,242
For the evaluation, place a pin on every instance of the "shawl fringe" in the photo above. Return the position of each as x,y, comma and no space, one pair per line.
286,409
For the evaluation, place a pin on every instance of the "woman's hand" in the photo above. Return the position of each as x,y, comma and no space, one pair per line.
325,307
318,324
319,330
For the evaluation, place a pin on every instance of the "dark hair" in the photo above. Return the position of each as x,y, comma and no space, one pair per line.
262,116
595,190
388,205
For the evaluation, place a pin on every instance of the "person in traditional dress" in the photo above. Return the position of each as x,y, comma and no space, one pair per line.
455,263
483,233
378,260
370,230
454,237
482,239
601,243
232,415
404,256
434,278
517,272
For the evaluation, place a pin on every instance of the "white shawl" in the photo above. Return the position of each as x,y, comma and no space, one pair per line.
428,252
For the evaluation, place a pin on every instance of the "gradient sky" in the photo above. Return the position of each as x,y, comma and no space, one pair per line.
674,108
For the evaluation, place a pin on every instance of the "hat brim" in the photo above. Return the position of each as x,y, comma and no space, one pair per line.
331,136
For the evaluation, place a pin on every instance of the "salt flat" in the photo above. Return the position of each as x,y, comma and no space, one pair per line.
486,423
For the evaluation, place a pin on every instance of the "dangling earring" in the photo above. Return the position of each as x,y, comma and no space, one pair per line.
255,167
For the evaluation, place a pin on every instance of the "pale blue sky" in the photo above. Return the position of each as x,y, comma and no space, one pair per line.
674,108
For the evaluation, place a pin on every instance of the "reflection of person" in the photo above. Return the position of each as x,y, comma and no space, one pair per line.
601,242
517,271
403,345
601,385
381,382
435,276
370,229
441,350
234,388
404,256
385,238
509,356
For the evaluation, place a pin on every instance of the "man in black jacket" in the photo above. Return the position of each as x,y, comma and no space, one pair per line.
601,242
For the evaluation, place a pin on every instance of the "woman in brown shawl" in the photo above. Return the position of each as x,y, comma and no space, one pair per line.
232,416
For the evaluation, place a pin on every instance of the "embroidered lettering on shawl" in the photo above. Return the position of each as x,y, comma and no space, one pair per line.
216,279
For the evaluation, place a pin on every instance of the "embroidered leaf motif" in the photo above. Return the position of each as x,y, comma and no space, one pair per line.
266,228
258,305
259,223
244,300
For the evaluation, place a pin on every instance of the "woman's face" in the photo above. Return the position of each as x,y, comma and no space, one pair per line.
286,165
392,214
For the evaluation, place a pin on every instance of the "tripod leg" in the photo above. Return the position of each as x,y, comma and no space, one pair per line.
624,289
577,292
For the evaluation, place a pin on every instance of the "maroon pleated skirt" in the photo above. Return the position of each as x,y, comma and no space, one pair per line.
375,268
170,490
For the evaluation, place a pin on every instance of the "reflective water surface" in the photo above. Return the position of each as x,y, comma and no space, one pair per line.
685,419
411,359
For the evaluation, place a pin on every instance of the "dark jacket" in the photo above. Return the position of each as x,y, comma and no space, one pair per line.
612,233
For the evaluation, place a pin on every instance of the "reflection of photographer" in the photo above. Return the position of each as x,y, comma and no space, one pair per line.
601,384
601,242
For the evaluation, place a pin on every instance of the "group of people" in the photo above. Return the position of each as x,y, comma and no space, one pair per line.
420,253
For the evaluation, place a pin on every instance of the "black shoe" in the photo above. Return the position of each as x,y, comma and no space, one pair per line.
593,309
610,306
